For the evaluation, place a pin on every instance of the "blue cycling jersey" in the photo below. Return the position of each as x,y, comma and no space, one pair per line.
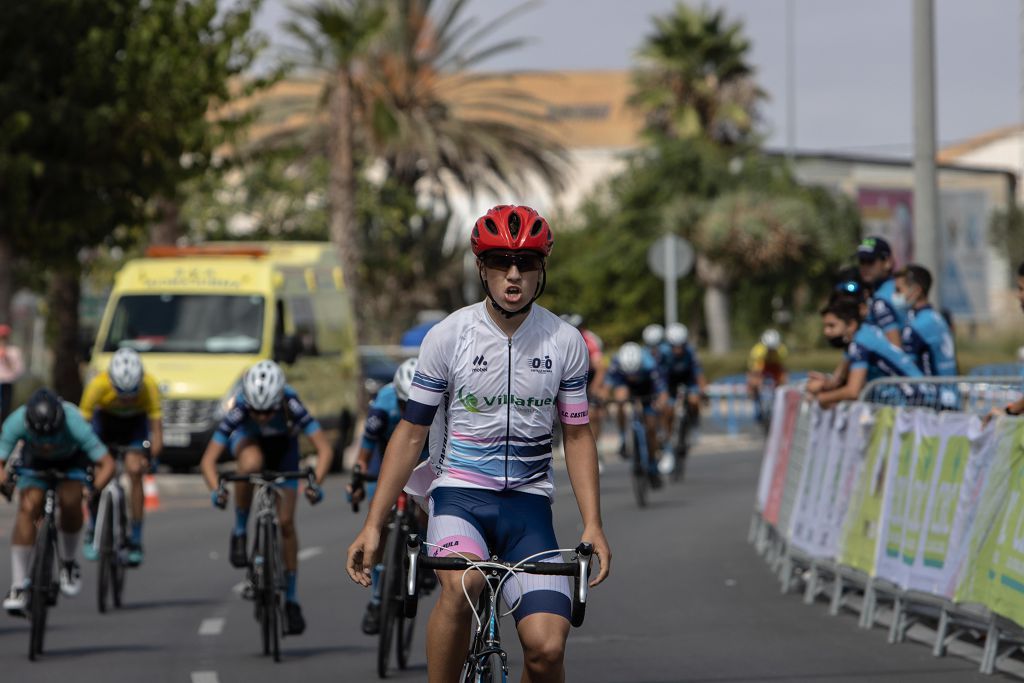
882,311
681,367
649,380
289,419
871,349
75,436
383,417
928,340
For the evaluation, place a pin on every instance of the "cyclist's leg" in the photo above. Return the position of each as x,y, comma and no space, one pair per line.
621,395
651,418
249,458
30,509
448,631
525,528
136,465
69,497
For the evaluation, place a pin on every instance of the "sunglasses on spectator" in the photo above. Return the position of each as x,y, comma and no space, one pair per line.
526,263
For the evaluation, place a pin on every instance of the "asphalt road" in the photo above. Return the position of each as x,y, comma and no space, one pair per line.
688,600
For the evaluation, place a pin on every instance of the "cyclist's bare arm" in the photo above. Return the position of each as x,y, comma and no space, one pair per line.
208,465
156,437
104,472
324,454
401,456
581,463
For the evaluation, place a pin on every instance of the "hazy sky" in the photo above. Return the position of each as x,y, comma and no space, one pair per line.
853,60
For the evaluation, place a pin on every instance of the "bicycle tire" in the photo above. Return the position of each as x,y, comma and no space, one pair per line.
258,569
42,577
641,476
106,535
406,625
389,585
272,608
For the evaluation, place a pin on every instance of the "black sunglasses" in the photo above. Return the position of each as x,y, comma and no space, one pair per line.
262,413
525,263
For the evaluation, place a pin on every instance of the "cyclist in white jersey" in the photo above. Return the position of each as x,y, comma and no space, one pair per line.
491,379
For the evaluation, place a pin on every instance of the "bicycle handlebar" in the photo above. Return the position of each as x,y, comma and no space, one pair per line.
579,569
49,475
268,477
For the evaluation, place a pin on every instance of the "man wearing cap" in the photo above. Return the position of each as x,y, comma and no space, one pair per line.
12,366
874,258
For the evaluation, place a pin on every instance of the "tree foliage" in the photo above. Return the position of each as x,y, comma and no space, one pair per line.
103,106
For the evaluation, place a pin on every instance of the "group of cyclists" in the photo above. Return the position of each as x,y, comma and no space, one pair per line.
489,385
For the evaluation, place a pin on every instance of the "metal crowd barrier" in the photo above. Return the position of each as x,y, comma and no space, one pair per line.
843,585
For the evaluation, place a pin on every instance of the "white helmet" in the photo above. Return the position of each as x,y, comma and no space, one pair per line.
630,357
654,334
677,334
125,371
771,339
403,379
263,386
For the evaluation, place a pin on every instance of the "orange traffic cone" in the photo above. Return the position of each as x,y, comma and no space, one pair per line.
150,492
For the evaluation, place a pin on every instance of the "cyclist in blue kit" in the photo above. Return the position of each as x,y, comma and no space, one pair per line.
262,429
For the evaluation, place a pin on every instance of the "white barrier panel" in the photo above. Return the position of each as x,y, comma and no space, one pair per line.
900,461
772,445
804,522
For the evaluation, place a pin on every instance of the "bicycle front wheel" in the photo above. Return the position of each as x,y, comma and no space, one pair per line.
271,604
390,585
641,475
42,578
106,555
491,670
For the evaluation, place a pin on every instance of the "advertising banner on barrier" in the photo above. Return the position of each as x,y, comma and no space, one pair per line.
900,466
795,472
991,556
984,443
773,442
806,505
778,481
854,429
858,546
945,435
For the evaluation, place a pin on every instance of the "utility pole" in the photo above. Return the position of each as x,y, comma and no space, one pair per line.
790,81
927,230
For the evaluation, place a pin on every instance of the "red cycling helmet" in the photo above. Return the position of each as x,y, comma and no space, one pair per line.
511,228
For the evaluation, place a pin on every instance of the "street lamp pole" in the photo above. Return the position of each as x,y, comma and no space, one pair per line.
927,231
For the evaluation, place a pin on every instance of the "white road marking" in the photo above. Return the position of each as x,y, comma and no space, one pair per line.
205,677
307,553
211,627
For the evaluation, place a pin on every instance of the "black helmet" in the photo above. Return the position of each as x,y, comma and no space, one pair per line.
44,413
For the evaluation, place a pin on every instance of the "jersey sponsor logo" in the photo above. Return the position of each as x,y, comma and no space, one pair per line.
479,363
374,423
473,404
541,365
468,400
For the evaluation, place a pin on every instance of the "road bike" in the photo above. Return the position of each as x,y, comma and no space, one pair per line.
266,572
110,536
686,418
644,466
486,661
44,586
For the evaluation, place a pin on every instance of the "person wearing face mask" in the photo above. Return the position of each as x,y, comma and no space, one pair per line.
868,355
874,260
926,336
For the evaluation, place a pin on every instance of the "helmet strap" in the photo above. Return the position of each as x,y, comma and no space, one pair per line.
508,315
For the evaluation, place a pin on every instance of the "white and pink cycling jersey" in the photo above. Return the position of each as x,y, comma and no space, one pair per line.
492,401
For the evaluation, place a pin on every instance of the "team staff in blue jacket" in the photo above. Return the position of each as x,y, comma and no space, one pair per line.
874,259
868,355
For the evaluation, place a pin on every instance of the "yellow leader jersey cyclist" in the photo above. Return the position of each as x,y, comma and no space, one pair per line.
768,362
101,396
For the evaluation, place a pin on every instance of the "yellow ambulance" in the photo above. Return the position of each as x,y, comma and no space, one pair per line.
200,316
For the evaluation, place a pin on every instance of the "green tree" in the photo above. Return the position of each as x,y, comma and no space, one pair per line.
694,79
427,125
101,112
336,35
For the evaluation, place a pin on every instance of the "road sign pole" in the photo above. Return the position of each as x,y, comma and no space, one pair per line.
671,286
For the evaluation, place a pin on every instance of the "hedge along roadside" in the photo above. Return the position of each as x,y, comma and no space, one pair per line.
929,501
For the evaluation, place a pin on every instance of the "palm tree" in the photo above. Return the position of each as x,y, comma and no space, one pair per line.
403,94
336,35
694,79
